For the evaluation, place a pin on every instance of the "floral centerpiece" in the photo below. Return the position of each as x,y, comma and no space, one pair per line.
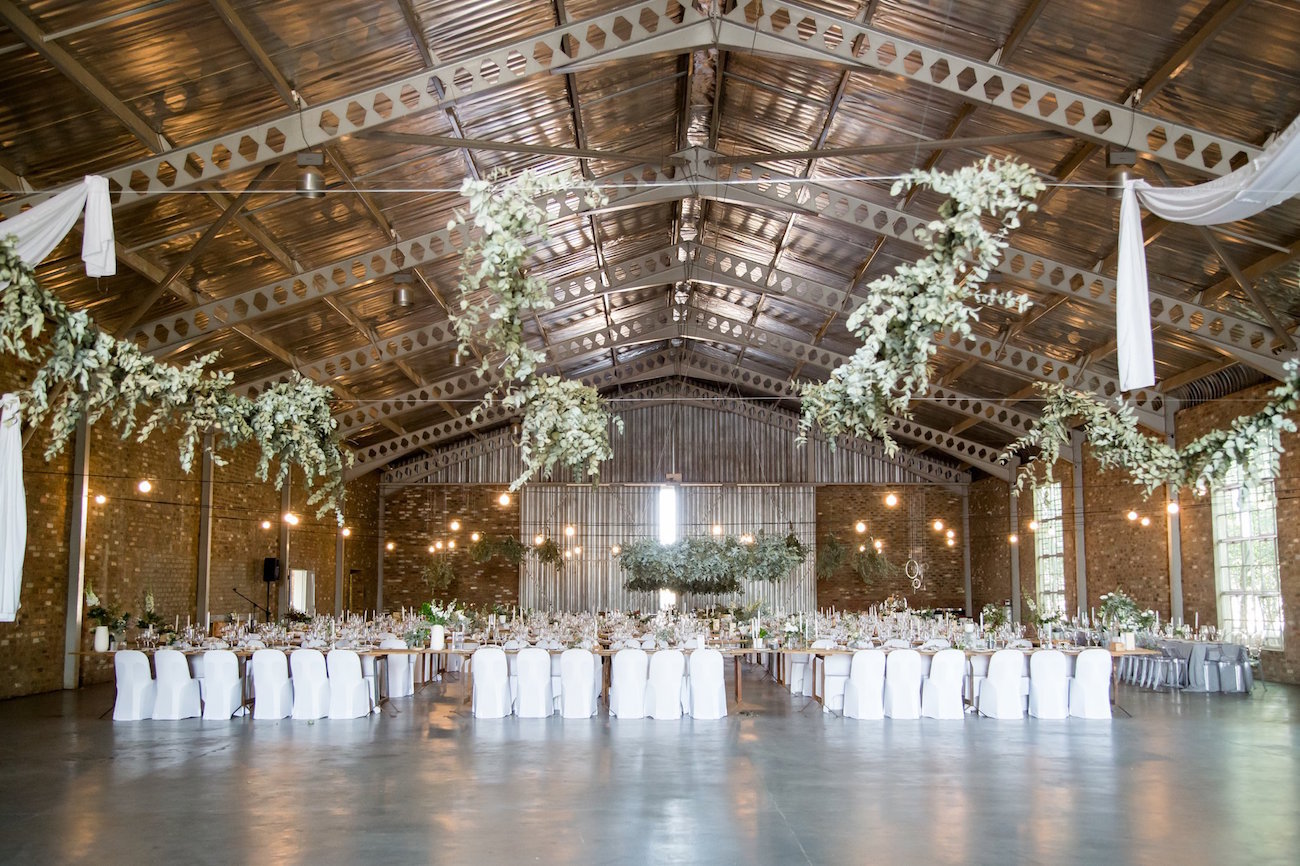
107,617
993,616
150,620
440,614
1119,612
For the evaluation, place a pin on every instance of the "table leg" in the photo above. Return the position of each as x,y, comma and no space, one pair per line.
736,658
604,679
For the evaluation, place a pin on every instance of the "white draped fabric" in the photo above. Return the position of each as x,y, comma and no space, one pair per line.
40,229
1269,179
13,508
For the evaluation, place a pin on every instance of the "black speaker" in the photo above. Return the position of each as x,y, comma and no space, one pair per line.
270,569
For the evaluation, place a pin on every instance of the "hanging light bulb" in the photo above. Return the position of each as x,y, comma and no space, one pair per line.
1033,526
454,526
432,549
891,499
390,546
615,549
539,540
100,499
578,549
716,529
402,296
952,542
1132,515
503,499
266,524
1172,508
951,534
475,536
862,548
291,518
860,527
568,554
1145,521
346,532
144,486
938,526
1013,538
569,531
451,545
878,545
438,544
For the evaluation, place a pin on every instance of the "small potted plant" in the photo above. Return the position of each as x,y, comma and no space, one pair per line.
109,621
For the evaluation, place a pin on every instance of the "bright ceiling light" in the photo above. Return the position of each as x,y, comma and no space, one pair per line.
1033,526
454,526
390,546
891,499
938,526
860,527
291,518
475,536
569,531
346,532
100,499
1172,508
144,486
266,524
503,499
1132,515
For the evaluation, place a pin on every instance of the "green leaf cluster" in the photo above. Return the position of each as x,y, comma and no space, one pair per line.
706,565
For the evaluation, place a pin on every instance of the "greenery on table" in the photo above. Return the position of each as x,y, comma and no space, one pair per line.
904,311
1115,440
511,549
707,565
86,372
1118,611
441,614
298,617
1036,617
150,619
831,554
564,422
106,614
993,616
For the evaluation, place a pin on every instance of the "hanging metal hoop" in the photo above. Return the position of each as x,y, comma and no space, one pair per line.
915,572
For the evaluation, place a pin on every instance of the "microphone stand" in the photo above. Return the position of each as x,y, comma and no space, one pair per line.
252,603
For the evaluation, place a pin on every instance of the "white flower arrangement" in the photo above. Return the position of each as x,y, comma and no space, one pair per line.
903,311
564,422
84,371
1116,441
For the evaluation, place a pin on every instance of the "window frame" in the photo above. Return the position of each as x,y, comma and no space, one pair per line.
1051,528
1248,532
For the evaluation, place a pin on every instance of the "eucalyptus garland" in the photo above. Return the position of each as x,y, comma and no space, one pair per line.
708,566
511,549
872,565
903,311
831,554
86,372
564,422
1112,431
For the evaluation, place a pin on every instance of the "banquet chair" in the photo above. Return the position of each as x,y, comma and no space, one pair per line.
627,689
349,693
1234,669
135,687
797,672
577,671
400,669
512,648
311,688
941,691
176,694
663,691
533,697
812,670
864,691
903,684
999,696
491,683
708,699
833,674
222,687
1049,685
1090,686
272,690
557,672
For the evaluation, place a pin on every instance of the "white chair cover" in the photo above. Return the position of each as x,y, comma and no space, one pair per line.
512,665
708,690
663,691
349,691
311,687
400,669
864,692
272,691
557,672
941,693
577,671
1049,691
797,672
223,687
1000,693
534,699
177,693
903,684
491,683
627,690
1090,687
812,678
135,687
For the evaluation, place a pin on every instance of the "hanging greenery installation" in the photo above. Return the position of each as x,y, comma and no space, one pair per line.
707,565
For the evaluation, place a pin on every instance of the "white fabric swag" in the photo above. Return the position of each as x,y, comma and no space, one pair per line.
38,231
13,508
1269,179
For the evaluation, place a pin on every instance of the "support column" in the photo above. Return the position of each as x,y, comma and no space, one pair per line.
283,602
965,549
1015,550
77,501
1080,527
338,571
383,548
203,586
1175,545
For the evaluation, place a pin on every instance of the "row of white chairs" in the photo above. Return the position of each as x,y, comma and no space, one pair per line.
533,683
873,684
336,686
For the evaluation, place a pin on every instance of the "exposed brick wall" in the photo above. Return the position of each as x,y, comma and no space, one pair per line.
840,507
1199,592
990,553
417,516
138,541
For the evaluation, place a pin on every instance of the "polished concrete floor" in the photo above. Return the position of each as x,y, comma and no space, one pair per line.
1177,779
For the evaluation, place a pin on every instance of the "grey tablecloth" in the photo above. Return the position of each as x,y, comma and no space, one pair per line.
1212,667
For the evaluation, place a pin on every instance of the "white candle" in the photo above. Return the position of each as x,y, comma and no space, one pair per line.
1198,620
178,622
